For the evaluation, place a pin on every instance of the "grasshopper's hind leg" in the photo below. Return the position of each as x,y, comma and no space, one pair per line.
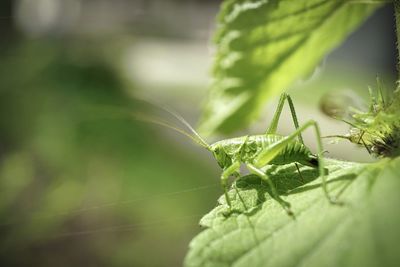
275,120
269,154
275,195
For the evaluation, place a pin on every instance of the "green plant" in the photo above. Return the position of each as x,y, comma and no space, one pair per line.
263,46
378,128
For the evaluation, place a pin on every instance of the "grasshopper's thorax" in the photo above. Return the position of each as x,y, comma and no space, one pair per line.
246,149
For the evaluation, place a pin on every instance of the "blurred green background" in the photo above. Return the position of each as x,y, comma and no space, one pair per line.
82,185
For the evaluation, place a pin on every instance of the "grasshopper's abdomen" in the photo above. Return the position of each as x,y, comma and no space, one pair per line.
295,151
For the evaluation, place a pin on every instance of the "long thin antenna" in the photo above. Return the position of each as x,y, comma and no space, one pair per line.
148,118
183,121
157,120
180,119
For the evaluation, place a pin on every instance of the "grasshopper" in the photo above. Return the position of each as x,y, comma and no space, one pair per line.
258,151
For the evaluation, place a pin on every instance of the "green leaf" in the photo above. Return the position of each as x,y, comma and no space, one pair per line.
362,232
265,45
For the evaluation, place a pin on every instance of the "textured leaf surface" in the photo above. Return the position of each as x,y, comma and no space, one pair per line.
363,232
265,45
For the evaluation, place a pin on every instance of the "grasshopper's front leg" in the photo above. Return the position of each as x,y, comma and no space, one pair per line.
224,179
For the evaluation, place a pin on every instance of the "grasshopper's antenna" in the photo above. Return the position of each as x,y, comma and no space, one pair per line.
196,136
197,139
184,122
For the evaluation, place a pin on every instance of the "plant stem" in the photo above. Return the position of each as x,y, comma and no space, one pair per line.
397,16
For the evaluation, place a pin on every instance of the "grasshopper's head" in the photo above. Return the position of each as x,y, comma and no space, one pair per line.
220,155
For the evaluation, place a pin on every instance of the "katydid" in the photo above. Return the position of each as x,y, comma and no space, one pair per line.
257,151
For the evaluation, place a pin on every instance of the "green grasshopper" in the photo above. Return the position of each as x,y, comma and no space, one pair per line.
258,151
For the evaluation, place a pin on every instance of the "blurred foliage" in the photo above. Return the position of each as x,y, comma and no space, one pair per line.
68,173
264,46
83,185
